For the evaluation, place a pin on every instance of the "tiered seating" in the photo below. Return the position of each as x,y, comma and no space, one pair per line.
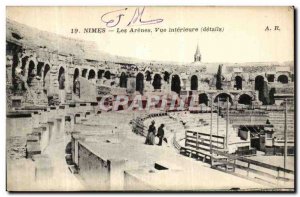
171,126
104,123
201,122
180,122
276,118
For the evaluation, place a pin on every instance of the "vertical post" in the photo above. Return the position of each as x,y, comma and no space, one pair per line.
197,140
185,138
285,134
218,109
227,121
211,115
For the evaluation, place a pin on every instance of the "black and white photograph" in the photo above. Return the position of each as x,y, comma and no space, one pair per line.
150,99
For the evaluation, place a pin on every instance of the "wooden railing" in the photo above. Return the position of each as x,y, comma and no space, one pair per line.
198,145
175,143
200,140
260,170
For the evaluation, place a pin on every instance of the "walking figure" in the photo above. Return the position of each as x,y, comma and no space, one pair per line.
160,134
151,134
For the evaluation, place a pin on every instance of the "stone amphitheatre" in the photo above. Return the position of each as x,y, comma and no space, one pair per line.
59,138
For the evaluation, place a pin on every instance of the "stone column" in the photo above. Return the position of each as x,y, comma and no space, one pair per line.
116,170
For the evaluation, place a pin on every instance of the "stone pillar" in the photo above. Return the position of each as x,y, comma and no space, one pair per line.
116,170
62,95
51,130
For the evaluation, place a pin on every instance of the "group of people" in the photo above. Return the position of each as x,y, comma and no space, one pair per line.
150,139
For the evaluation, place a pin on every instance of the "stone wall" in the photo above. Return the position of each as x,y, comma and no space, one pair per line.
36,60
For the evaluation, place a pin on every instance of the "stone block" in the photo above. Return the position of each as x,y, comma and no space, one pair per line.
33,148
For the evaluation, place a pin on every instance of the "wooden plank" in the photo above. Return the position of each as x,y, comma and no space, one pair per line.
248,169
257,163
197,143
205,134
204,139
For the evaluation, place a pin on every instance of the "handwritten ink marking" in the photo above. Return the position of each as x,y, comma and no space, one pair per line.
112,22
137,16
113,18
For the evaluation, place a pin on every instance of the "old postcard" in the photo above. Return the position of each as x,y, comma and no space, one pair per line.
150,99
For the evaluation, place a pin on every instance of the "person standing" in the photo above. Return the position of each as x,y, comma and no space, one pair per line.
160,134
151,134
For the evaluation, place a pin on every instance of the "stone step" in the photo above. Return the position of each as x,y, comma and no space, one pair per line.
73,169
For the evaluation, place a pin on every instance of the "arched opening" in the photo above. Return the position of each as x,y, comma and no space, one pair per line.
148,76
223,98
100,74
283,79
194,82
245,99
166,76
238,83
259,82
31,72
271,96
84,73
175,84
203,99
46,76
140,83
75,81
156,82
39,69
13,71
259,85
123,80
271,78
107,75
61,78
92,74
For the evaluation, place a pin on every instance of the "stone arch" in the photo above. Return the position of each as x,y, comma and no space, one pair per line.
61,78
245,99
84,72
194,82
75,77
46,75
166,76
92,74
283,79
100,74
223,97
203,99
238,82
107,74
175,84
139,83
260,87
157,81
259,82
31,72
123,80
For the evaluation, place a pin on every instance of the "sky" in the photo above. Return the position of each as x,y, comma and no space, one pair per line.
244,38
